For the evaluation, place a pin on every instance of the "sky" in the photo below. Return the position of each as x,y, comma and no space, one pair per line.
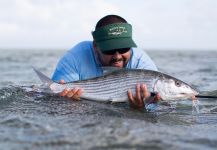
60,24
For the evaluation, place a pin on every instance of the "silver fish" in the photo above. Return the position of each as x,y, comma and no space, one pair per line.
114,85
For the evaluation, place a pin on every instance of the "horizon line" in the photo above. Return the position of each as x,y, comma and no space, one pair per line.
146,49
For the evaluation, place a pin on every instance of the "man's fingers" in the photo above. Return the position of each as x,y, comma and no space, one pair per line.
145,92
135,102
77,94
139,98
138,94
64,92
71,93
130,96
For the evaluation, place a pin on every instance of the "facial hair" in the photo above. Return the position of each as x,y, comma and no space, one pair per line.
115,60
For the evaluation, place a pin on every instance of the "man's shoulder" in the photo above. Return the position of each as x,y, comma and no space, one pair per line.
85,43
140,59
82,46
78,52
139,53
80,49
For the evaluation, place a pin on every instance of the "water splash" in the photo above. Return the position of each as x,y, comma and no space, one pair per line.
195,106
9,92
5,93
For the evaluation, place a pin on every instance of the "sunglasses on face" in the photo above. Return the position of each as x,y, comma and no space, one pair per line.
120,51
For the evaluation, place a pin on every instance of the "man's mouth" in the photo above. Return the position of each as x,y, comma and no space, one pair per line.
117,63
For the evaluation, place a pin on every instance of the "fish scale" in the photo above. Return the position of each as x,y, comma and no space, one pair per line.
113,87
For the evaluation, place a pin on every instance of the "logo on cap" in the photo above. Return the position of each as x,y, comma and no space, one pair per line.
117,30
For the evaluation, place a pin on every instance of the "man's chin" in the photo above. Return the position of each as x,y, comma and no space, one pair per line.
118,64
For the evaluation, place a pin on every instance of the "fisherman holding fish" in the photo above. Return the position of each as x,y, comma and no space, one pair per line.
112,47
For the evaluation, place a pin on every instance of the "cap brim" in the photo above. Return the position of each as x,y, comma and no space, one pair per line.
112,44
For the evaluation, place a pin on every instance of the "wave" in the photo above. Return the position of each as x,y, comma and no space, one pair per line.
35,94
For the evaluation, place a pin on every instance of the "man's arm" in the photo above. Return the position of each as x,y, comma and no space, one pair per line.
66,71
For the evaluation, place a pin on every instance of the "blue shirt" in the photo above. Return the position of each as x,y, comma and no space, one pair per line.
80,63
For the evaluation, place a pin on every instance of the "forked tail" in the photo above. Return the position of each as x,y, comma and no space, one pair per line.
46,80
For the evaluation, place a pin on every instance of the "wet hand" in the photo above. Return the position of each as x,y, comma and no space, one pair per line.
142,94
73,94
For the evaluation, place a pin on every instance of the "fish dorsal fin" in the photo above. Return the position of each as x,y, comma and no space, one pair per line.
107,70
46,80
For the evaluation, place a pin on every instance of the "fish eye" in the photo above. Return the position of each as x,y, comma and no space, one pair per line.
177,83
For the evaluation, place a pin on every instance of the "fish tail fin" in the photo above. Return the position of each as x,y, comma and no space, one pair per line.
46,80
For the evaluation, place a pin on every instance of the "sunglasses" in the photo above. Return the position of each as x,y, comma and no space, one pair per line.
120,51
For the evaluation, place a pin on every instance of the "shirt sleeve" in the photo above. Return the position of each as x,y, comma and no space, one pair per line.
145,62
140,60
66,69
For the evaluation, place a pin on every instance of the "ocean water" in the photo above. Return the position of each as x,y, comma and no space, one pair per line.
30,120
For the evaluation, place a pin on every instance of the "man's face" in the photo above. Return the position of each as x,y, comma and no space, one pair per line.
115,58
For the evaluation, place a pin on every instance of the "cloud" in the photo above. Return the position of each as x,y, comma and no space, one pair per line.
39,21
62,23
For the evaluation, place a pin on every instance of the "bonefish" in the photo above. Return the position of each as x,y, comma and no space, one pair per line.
114,85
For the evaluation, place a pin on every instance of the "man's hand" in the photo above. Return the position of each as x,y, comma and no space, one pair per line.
142,94
73,94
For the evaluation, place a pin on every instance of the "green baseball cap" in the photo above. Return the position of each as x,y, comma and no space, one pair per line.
114,36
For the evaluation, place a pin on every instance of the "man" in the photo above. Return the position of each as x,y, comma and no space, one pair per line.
112,46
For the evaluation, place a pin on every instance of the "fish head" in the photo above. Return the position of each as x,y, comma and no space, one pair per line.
171,88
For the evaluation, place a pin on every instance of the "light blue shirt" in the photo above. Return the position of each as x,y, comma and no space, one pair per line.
80,63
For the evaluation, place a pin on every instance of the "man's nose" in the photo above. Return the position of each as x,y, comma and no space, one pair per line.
117,55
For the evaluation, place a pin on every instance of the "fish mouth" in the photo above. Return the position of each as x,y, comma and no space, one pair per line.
187,94
190,95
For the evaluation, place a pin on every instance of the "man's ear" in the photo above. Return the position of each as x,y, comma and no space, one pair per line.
94,45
